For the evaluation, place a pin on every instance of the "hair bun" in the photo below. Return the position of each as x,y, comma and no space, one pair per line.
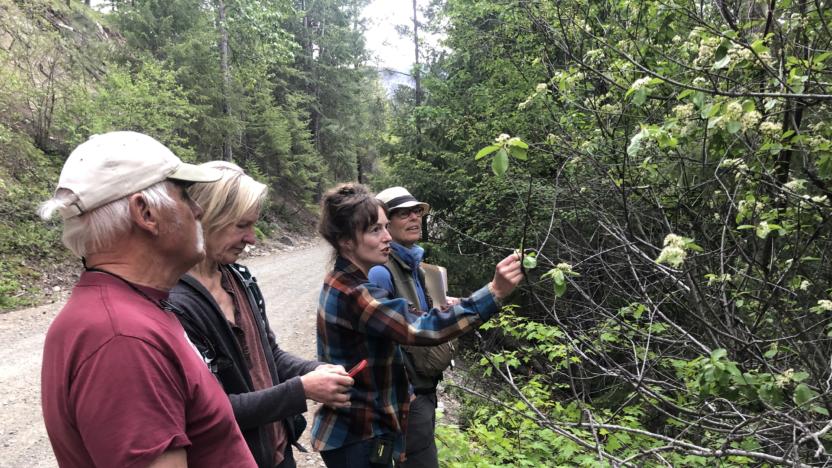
346,189
350,189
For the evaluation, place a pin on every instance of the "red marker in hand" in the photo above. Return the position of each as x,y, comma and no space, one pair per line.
358,368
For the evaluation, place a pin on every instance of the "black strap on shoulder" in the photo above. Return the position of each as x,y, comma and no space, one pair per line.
250,283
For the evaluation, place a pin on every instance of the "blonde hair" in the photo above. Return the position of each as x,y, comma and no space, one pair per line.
98,229
228,199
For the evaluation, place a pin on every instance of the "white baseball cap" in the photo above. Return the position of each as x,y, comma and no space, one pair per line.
399,197
113,165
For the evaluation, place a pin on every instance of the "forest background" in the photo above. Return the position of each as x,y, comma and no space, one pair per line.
665,164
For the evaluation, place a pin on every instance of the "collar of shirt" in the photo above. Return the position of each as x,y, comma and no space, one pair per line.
412,256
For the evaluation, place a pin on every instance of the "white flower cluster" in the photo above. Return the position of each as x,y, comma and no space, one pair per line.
503,137
796,185
794,21
684,111
707,50
625,46
541,88
582,25
783,379
734,163
750,120
740,53
640,83
567,78
594,56
673,253
700,82
825,305
814,142
804,285
771,129
734,113
746,209
611,108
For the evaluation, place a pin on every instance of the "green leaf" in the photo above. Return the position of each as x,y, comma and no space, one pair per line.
559,281
800,376
733,127
759,47
640,96
820,58
684,94
518,143
820,410
718,354
802,394
698,99
486,151
530,261
500,162
722,63
519,153
635,143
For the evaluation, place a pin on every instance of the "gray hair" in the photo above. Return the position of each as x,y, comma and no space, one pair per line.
98,229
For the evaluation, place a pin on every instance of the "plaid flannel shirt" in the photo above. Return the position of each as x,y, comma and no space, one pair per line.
357,320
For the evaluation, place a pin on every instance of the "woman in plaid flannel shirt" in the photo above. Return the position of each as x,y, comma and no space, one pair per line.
357,320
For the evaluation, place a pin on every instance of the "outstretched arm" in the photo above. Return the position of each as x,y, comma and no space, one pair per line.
392,318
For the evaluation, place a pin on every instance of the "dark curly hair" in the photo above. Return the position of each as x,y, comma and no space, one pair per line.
346,211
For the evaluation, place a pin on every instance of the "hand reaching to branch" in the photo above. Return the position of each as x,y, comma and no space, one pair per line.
507,275
328,384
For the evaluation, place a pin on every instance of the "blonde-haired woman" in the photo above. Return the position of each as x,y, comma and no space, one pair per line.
222,310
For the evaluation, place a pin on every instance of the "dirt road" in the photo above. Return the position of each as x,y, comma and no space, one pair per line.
290,281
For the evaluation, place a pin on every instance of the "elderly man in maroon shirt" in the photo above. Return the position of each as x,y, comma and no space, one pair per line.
121,384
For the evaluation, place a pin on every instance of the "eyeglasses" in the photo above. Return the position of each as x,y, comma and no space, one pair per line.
403,213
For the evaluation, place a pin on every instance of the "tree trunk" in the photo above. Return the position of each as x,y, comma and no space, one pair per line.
418,82
226,77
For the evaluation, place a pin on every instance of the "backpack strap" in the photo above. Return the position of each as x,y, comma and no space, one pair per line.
250,283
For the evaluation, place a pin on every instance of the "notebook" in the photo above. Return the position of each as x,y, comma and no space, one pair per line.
436,282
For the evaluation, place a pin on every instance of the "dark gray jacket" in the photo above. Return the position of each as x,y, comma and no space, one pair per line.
208,329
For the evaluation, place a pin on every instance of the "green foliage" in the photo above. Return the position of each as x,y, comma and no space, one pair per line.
25,242
298,107
145,99
642,119
504,145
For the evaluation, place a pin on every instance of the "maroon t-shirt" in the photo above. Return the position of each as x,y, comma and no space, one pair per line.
121,384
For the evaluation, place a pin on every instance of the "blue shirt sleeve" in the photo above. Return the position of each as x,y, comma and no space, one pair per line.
380,276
